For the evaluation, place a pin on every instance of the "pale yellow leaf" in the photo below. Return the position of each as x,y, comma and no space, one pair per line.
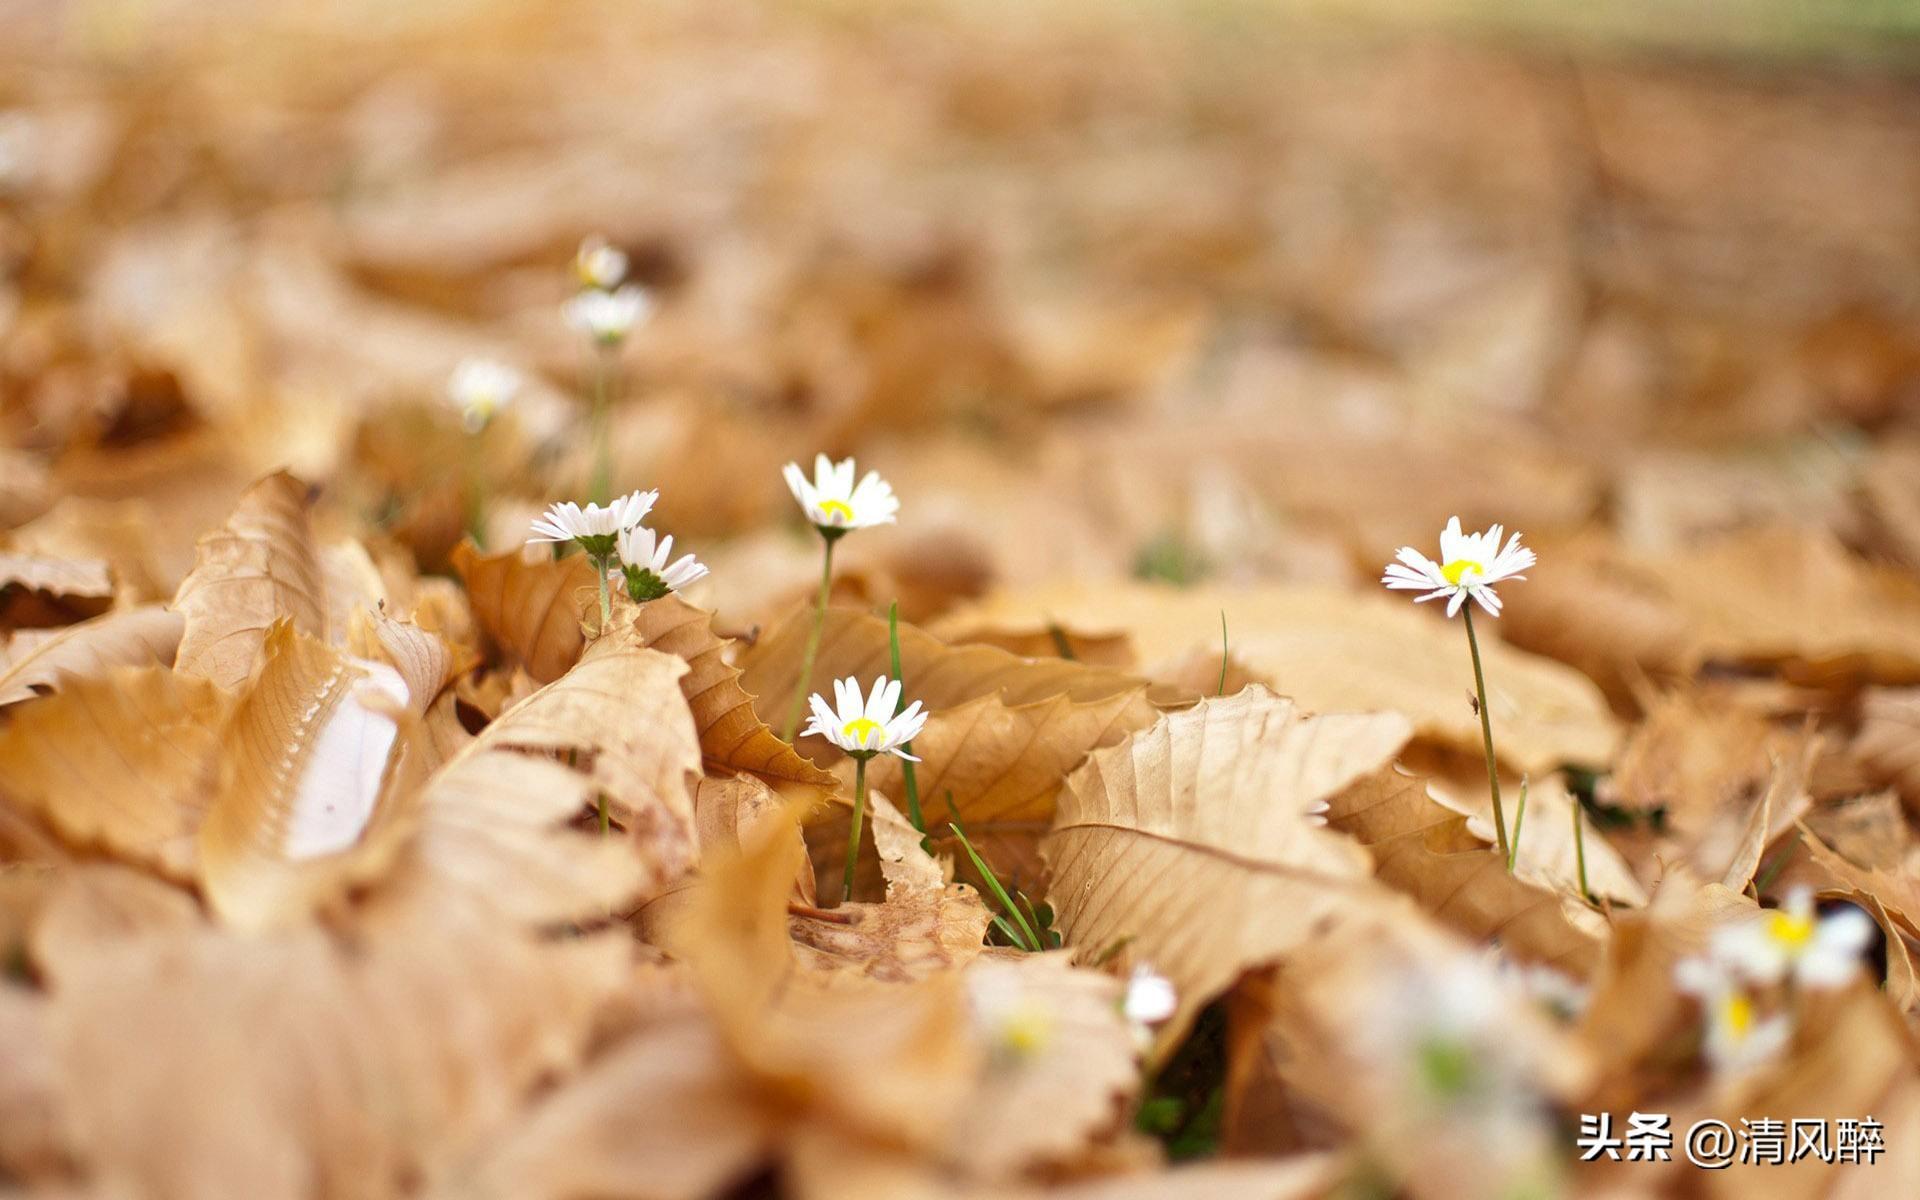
130,637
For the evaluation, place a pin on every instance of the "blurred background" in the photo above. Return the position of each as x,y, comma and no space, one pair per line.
1222,289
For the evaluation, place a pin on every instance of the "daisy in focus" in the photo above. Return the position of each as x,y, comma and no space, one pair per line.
599,264
834,503
864,728
480,388
595,528
1738,1039
644,568
1470,564
1795,942
608,317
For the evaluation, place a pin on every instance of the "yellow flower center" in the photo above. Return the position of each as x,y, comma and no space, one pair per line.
1736,1013
1027,1030
860,730
837,507
1791,931
1460,566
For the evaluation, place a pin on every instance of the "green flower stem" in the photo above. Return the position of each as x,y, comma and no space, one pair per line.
602,566
1519,820
604,357
1486,734
799,702
859,818
1580,850
1025,937
911,782
600,802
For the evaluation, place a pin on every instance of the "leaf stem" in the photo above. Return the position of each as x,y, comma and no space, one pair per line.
799,701
911,782
1486,735
859,818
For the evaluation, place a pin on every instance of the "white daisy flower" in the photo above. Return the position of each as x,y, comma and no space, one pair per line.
644,569
595,528
834,503
1150,997
1795,941
608,317
1738,1039
1016,1023
864,728
599,264
480,388
1470,564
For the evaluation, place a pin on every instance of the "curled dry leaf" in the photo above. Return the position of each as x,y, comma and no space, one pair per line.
265,565
130,637
1889,739
1335,651
731,735
1424,849
297,815
125,761
1213,810
529,606
87,582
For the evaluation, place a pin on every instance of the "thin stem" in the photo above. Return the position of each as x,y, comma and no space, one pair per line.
1580,850
1519,819
799,702
859,818
603,566
1222,689
1486,734
603,370
911,781
601,804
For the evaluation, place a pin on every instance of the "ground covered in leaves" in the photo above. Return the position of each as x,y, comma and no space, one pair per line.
1167,329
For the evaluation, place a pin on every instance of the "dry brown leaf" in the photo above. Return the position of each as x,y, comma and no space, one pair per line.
665,1115
261,567
131,637
58,577
731,735
1336,651
1898,888
1889,739
124,761
886,1060
297,816
530,606
33,1140
997,768
1424,849
1212,811
621,715
938,675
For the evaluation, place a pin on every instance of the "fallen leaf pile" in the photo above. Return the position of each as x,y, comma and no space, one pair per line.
350,849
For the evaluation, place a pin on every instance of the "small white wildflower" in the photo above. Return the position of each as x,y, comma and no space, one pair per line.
1795,941
834,503
644,569
480,388
1470,564
1149,1000
599,264
1015,1022
1557,992
594,527
608,317
867,727
1737,1040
